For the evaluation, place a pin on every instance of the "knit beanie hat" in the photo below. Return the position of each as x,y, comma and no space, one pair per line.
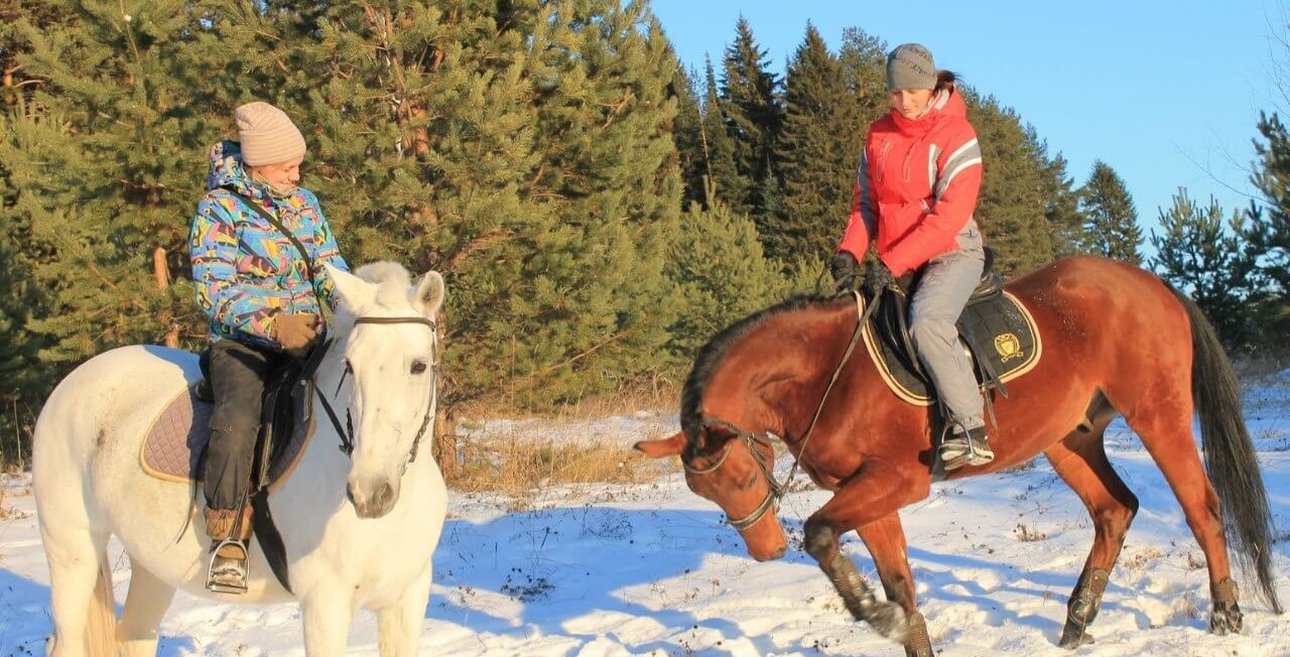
267,135
910,66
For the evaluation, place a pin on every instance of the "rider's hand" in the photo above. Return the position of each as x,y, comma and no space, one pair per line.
843,269
295,332
878,278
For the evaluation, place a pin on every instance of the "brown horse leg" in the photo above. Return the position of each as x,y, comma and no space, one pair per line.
885,539
1169,440
877,491
1080,460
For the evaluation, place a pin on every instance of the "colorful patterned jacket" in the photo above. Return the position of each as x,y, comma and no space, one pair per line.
245,270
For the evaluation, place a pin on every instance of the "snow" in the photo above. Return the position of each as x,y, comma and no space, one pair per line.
651,569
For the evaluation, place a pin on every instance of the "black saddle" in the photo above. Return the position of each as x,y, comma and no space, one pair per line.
285,404
995,328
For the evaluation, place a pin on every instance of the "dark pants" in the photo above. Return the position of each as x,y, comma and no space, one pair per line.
238,375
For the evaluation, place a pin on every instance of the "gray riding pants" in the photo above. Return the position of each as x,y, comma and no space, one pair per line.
947,282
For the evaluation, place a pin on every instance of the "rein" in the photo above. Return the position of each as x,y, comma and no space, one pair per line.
346,433
776,489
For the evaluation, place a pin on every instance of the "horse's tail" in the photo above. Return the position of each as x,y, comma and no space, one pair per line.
100,625
1230,461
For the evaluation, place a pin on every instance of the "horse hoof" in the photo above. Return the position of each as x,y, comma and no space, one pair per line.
1226,619
1072,640
889,619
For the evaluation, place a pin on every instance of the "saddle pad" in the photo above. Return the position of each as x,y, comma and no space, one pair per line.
173,447
1002,329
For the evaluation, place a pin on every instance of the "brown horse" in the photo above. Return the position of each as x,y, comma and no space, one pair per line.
1117,341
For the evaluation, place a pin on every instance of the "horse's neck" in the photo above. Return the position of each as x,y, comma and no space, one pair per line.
795,358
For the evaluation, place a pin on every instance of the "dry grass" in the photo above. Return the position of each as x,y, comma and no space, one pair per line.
518,467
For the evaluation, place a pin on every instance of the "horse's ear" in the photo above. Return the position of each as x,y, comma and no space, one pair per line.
663,447
429,294
355,292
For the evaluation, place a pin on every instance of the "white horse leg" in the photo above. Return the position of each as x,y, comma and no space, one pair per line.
81,604
145,606
325,613
399,624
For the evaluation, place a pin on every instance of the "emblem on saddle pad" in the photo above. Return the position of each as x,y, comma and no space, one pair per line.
998,331
1008,345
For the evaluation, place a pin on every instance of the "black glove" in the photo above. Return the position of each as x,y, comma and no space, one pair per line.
844,268
877,279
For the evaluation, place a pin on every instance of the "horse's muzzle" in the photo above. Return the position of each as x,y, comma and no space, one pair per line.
372,501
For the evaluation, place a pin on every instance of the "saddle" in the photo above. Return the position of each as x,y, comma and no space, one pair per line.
995,328
177,439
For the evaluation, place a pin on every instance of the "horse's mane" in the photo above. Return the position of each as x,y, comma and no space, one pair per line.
712,353
391,279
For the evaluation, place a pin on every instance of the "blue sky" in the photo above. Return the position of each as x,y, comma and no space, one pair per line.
1167,93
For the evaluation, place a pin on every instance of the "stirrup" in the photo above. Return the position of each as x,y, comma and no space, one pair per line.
228,574
971,448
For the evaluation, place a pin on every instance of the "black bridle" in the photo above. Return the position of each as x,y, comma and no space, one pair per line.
776,489
346,433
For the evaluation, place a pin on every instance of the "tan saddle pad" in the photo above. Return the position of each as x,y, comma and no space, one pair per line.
173,447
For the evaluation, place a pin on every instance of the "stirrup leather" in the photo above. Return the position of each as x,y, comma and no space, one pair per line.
228,572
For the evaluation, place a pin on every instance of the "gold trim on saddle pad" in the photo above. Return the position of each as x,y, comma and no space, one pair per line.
1007,345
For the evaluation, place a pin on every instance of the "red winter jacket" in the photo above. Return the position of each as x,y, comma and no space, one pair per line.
918,185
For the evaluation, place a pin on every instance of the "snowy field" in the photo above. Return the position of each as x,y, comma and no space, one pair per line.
650,569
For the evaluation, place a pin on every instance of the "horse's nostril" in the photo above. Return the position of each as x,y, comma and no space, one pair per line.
384,495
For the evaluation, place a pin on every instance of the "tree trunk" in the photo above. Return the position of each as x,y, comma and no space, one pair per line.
161,273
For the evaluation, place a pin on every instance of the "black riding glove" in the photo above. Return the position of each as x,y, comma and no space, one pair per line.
877,279
844,268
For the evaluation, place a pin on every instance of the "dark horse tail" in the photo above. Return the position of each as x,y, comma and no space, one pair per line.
1230,461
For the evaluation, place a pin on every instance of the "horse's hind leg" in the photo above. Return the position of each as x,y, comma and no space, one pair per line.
83,611
1080,460
145,606
885,539
1168,438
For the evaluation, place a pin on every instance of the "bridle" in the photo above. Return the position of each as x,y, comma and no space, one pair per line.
346,433
776,489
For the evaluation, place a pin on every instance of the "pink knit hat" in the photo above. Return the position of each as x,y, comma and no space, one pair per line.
267,135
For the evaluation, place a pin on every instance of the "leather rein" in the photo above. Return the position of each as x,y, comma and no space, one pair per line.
775,490
346,433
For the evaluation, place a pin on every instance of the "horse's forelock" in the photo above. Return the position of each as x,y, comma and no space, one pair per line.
391,279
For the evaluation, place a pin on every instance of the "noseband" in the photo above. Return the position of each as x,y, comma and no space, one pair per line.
775,491
346,433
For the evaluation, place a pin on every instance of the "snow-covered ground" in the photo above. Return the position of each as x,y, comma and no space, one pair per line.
650,569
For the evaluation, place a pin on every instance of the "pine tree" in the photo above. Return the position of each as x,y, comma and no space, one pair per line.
753,119
1268,227
1203,255
1016,190
525,151
687,132
863,61
1112,229
101,171
720,172
816,154
721,275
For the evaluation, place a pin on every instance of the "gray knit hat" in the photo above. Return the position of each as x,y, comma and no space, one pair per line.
267,135
910,66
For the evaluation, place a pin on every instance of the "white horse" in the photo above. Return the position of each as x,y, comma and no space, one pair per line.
359,529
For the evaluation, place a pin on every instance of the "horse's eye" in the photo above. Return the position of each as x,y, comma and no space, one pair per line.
418,366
